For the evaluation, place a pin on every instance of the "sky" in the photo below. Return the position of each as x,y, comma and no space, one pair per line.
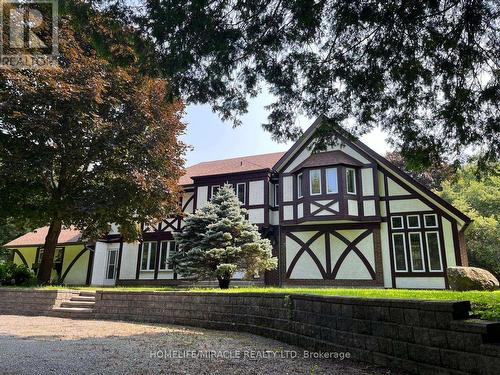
213,139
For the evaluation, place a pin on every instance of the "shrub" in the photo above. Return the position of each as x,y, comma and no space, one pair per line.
13,274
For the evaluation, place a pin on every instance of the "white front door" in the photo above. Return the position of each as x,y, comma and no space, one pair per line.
111,266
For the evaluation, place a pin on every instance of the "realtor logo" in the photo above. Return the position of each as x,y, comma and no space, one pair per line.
29,34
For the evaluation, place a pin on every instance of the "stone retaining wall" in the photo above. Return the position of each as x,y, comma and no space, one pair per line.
424,337
23,301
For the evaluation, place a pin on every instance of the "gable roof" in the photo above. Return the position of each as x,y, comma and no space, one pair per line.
37,237
228,166
349,139
327,158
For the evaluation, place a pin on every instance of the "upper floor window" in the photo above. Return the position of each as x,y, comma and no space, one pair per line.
148,258
276,194
430,221
315,181
215,190
350,175
331,181
300,179
240,192
413,221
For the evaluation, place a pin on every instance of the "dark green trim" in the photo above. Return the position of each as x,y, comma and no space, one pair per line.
85,248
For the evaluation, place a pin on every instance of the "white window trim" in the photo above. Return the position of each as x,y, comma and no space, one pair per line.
346,184
435,217
337,180
404,252
408,221
310,182
212,190
300,184
244,192
402,222
108,255
149,256
439,251
421,251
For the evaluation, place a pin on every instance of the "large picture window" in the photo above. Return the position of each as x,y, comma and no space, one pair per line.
350,176
315,181
148,258
331,181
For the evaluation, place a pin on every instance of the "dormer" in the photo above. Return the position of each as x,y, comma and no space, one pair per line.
339,184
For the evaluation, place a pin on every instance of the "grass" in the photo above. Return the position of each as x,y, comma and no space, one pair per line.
485,305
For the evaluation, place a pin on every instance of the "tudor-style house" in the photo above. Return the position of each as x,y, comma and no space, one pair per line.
345,216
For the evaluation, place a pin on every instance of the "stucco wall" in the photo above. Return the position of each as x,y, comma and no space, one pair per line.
77,274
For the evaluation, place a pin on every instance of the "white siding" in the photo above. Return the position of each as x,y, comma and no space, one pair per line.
448,244
201,196
129,260
395,188
256,216
287,188
288,212
367,181
408,205
352,207
256,193
369,208
420,282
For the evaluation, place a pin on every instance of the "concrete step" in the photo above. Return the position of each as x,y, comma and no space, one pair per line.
82,299
78,304
87,293
73,309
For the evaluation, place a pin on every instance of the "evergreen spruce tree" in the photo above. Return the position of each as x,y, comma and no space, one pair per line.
217,240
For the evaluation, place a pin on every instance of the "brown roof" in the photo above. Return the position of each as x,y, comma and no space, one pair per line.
37,237
328,158
227,166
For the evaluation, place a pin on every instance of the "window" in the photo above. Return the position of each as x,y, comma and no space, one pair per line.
331,181
315,181
240,192
413,221
350,176
166,251
397,222
215,190
430,221
398,241
148,259
300,178
276,194
433,251
58,255
416,253
111,265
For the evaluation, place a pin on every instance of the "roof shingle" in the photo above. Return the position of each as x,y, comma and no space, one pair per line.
228,166
37,237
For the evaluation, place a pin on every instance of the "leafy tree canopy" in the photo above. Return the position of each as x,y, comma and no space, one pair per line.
426,71
431,177
218,240
87,144
480,200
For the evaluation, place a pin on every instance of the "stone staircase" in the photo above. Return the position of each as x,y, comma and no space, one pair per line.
80,305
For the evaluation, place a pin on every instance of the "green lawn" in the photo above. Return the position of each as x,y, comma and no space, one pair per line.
484,304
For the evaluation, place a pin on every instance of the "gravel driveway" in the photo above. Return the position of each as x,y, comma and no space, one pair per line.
43,345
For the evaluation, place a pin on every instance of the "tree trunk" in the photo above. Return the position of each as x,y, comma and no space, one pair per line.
49,249
224,282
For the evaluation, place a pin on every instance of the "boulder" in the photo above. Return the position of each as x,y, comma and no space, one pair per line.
471,278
